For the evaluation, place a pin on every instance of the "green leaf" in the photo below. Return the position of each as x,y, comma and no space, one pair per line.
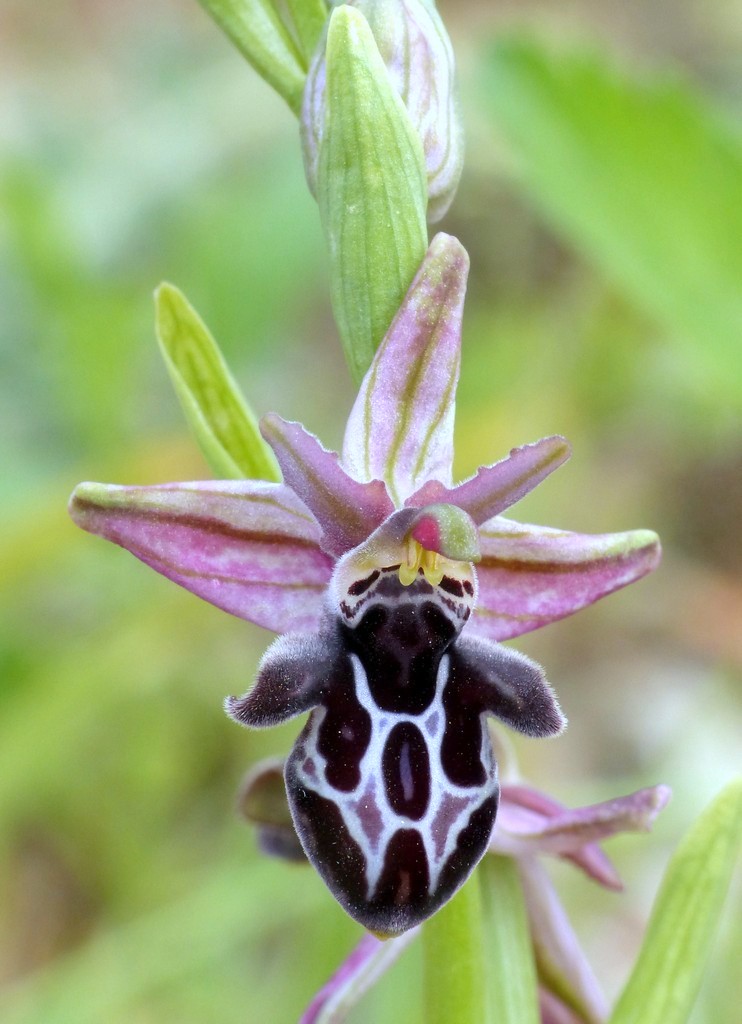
667,974
372,190
223,424
645,179
511,970
309,17
259,34
455,973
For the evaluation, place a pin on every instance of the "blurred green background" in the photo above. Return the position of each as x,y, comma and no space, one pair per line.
602,207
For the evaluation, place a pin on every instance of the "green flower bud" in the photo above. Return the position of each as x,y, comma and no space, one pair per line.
417,53
371,189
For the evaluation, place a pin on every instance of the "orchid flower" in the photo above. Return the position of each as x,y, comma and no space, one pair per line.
529,824
365,563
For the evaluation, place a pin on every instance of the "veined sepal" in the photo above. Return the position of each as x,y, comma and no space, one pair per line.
532,575
249,547
401,426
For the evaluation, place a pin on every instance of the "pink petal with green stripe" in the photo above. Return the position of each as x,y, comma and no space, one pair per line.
532,575
249,547
370,959
492,489
401,426
347,511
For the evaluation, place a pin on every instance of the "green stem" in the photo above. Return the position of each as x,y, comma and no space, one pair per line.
453,951
511,971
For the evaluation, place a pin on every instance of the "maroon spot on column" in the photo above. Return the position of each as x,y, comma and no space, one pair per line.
405,768
405,877
361,586
452,586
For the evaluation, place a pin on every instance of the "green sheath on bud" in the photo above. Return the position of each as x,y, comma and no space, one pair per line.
418,57
371,189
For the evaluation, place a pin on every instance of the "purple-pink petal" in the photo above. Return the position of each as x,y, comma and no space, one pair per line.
401,426
347,510
530,822
532,575
364,966
519,825
263,804
562,965
564,830
249,547
492,489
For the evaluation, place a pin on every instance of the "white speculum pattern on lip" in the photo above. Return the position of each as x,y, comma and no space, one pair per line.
394,815
392,783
